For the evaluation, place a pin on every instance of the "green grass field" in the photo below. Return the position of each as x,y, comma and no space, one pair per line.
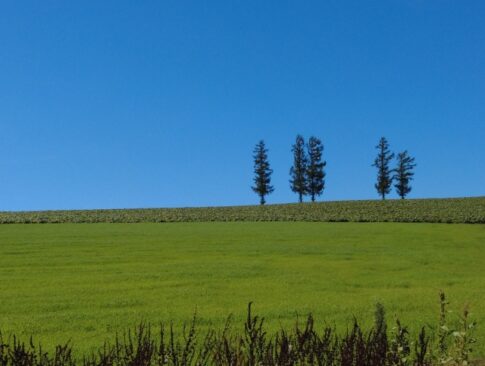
85,281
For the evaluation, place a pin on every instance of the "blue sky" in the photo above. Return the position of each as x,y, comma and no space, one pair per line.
159,103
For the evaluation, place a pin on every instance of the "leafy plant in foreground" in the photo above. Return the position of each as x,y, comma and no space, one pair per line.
304,345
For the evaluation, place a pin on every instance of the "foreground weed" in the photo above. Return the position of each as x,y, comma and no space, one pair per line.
304,345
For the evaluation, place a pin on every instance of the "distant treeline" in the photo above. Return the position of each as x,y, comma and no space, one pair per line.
450,210
307,174
250,344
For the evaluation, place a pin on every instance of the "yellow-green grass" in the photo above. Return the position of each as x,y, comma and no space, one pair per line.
84,282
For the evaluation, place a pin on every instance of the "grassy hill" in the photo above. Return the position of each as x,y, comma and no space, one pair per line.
450,210
86,282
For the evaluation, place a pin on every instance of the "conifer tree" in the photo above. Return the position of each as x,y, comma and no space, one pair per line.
298,171
403,173
315,168
384,178
262,172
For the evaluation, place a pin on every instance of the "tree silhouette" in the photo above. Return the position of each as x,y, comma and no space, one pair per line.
384,178
262,172
298,171
315,169
403,174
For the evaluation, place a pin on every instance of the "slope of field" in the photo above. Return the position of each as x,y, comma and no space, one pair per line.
450,210
84,282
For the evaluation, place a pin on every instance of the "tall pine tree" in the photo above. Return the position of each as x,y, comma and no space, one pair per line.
298,171
262,172
315,168
384,178
403,174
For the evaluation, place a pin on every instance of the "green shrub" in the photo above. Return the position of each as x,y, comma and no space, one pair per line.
451,210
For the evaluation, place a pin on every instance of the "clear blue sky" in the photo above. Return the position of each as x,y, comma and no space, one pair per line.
159,103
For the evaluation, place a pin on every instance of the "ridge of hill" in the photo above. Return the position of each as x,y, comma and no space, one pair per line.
469,210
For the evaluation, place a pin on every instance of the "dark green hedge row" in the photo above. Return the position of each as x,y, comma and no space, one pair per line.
451,210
